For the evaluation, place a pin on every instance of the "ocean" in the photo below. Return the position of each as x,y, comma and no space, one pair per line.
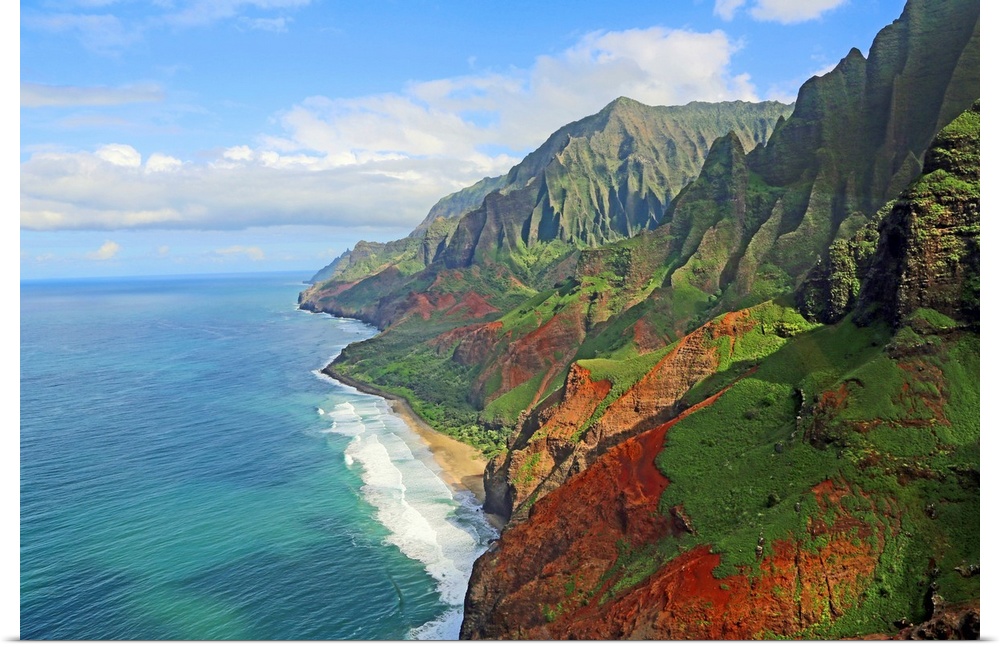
188,474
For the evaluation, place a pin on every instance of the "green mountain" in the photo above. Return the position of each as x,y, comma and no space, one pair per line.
755,222
823,482
600,179
742,233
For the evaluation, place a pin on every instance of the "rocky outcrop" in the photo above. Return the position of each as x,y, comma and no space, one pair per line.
469,345
949,622
616,499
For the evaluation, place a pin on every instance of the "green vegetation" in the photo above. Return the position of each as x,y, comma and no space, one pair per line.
526,472
772,324
893,438
436,387
510,405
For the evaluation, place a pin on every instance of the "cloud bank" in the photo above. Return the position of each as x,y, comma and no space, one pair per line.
378,160
254,253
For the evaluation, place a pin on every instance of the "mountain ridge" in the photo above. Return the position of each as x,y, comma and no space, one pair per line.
570,148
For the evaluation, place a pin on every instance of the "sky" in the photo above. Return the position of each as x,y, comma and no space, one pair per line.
193,136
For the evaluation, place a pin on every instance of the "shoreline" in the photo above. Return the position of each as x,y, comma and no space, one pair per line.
462,466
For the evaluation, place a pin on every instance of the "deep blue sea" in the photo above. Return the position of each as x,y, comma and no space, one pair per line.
187,473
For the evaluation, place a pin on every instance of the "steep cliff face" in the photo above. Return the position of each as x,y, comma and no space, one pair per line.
416,251
591,564
923,267
753,224
617,500
840,507
928,252
832,491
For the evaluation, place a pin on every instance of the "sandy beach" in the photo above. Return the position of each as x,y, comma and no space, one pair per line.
462,466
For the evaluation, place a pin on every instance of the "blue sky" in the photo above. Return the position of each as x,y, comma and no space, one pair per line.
186,136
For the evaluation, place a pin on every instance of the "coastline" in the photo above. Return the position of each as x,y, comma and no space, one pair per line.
462,466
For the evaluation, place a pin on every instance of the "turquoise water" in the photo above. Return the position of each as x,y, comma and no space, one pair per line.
186,473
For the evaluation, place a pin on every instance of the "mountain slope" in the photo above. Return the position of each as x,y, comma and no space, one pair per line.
856,138
830,490
417,250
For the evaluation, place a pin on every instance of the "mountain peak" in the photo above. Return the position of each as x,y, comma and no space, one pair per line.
623,103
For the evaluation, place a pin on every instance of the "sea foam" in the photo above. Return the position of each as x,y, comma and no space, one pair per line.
443,530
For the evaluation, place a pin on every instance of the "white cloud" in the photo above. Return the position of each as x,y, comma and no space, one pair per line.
792,11
784,11
163,250
120,155
379,160
160,163
106,252
35,95
463,114
726,9
253,253
83,191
